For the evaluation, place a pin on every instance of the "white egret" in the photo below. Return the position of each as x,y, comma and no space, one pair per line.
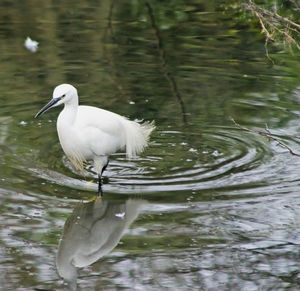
90,133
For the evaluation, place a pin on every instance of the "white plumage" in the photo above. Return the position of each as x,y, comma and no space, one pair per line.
90,133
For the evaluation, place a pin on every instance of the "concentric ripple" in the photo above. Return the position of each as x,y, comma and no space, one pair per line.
215,158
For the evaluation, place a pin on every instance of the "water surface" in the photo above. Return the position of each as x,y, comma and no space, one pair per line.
206,207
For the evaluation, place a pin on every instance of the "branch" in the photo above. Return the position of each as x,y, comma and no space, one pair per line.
263,27
267,133
288,37
274,26
267,13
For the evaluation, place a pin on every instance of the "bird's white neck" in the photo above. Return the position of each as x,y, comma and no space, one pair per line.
68,114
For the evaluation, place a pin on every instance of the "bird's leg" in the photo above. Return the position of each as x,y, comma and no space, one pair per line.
105,166
100,192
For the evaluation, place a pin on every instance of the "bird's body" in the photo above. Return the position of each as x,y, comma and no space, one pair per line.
90,133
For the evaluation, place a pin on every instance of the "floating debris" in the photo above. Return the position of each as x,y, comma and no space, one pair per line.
121,215
31,45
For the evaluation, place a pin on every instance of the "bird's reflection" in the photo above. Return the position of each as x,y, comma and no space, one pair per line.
92,231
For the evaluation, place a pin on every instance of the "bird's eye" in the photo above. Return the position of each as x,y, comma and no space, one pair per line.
63,96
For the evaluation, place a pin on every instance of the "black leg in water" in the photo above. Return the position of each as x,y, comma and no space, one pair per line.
100,192
104,168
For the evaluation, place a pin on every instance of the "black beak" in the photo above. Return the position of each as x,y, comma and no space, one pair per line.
47,106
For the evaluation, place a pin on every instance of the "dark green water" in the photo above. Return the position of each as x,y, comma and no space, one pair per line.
206,207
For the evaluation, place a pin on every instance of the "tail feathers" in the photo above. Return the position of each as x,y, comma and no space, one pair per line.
137,137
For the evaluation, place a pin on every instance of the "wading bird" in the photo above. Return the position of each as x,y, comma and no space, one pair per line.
90,133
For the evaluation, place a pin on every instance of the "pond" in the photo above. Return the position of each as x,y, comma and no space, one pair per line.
208,206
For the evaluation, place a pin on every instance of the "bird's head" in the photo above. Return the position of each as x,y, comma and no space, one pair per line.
63,93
